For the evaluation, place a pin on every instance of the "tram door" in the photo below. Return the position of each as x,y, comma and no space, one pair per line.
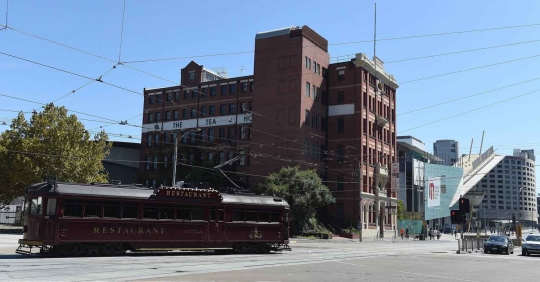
216,226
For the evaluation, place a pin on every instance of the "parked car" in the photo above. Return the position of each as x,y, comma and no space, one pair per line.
499,244
531,244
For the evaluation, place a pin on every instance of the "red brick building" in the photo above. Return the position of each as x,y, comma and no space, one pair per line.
296,108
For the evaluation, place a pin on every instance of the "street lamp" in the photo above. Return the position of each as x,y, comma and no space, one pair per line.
175,162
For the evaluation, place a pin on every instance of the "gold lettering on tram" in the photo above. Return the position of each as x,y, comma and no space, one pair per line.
129,230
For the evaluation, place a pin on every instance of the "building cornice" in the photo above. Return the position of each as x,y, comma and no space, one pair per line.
362,61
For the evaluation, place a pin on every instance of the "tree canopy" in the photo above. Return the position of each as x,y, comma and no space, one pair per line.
302,189
50,143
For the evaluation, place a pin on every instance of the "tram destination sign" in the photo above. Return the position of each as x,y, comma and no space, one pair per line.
184,193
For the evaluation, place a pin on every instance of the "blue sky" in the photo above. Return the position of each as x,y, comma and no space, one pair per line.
164,29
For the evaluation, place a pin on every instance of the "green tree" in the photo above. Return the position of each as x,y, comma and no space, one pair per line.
400,210
50,143
302,189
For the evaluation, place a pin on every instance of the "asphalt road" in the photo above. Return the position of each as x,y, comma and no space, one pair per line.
333,260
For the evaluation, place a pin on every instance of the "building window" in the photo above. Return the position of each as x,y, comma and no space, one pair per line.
203,92
340,155
223,89
339,183
232,109
341,74
231,133
309,63
306,121
194,93
155,161
158,116
191,157
193,112
148,162
306,62
318,69
149,140
213,90
212,110
232,88
242,161
150,117
203,112
222,133
341,97
167,115
251,86
186,94
244,87
169,96
176,94
221,157
150,99
243,107
243,131
308,89
165,161
158,98
185,113
156,139
230,155
223,110
210,157
203,134
314,67
211,134
192,137
340,125
191,75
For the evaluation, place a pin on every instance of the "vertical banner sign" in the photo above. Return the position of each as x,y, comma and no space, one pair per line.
395,175
434,192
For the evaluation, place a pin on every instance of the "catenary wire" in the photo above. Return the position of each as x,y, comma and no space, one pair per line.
469,111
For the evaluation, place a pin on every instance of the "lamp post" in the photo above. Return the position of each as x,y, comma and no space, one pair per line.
175,161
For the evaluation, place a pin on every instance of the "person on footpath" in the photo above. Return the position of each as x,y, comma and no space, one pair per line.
401,233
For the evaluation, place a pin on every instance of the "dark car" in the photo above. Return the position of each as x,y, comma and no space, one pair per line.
531,245
499,244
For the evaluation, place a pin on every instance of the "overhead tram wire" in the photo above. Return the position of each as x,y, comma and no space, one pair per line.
466,97
7,14
461,52
86,84
470,69
122,32
341,43
475,109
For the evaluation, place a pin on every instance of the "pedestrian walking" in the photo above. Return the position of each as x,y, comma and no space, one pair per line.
401,233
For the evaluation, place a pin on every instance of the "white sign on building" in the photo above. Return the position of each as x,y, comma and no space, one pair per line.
201,122
434,192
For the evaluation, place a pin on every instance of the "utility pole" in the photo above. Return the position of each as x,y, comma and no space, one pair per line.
175,161
361,226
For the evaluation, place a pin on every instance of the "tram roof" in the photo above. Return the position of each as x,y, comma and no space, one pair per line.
140,193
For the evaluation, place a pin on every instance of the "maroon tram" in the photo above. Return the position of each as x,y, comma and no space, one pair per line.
108,219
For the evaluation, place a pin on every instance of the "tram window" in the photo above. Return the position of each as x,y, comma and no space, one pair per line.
251,216
51,206
72,208
130,210
166,212
35,206
276,217
150,212
221,215
212,214
183,213
197,213
264,217
238,215
92,209
111,209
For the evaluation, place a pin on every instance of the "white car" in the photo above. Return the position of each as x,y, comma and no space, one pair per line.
530,245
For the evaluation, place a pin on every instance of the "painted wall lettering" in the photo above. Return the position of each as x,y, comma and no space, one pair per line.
129,230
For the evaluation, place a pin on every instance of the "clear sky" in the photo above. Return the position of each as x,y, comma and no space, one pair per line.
165,29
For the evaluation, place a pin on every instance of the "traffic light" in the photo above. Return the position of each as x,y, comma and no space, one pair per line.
456,217
464,206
